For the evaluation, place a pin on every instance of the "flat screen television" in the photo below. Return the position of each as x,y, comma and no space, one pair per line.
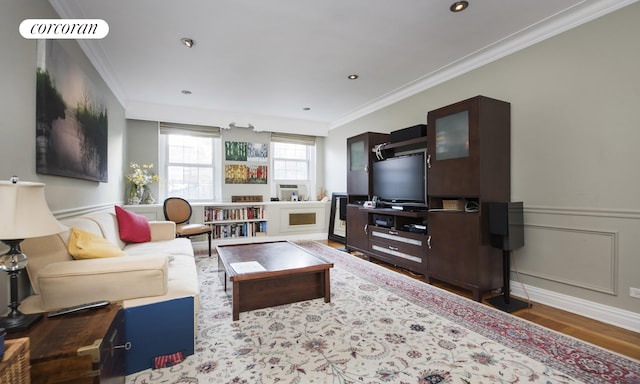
401,181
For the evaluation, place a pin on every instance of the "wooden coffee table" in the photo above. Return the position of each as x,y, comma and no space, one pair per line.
274,273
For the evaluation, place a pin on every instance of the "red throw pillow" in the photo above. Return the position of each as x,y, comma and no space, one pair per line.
133,228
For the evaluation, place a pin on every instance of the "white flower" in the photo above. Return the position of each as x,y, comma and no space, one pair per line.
141,176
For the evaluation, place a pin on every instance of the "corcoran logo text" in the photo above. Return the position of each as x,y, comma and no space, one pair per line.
64,29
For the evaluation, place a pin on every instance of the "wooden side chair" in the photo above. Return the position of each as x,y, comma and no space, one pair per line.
179,211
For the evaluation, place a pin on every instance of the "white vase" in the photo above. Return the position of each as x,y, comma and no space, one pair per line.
135,194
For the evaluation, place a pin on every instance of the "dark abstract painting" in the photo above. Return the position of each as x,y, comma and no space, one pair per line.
71,119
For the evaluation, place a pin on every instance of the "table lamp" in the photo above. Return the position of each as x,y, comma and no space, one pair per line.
24,213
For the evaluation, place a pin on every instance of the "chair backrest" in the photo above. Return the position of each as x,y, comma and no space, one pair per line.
177,209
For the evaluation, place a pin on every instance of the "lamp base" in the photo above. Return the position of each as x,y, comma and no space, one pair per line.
510,305
19,323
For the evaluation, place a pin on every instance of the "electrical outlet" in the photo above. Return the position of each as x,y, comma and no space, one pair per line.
634,292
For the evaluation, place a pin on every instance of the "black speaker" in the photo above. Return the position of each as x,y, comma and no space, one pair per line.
506,232
343,208
414,132
506,225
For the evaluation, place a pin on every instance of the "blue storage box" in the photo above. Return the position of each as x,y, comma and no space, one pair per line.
158,329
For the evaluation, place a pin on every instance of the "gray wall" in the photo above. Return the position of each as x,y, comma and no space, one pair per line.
575,134
17,126
142,147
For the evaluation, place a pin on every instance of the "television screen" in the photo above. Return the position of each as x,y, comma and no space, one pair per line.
452,136
400,179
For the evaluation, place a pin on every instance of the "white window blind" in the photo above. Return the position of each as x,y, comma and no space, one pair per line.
189,129
292,138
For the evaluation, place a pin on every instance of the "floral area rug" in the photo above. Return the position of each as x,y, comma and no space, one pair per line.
380,327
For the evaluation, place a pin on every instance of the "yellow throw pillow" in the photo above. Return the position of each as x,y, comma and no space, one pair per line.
86,245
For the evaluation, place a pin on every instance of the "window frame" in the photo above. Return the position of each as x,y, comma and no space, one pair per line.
212,133
311,161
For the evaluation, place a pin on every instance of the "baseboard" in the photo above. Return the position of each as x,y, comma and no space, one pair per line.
607,314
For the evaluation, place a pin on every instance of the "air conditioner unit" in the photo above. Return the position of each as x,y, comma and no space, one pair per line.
291,192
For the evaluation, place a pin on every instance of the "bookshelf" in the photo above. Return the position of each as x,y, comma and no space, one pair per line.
234,221
263,220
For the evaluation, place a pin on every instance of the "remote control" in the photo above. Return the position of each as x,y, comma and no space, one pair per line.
77,308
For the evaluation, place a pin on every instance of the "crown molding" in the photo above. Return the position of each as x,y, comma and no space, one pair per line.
94,52
545,29
568,19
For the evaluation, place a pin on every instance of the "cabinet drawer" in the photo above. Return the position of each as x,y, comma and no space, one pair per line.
398,238
407,254
404,249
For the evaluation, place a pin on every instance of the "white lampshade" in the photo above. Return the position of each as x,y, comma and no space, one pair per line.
24,212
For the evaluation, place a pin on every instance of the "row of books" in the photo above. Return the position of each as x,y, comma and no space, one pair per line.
243,213
223,231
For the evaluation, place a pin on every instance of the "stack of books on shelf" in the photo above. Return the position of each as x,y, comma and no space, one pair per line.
231,214
252,229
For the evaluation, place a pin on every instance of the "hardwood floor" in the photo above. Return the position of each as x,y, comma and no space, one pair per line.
595,332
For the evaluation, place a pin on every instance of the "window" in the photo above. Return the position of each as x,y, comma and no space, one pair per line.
293,159
290,161
189,162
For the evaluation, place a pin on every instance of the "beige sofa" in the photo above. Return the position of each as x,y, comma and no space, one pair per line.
155,271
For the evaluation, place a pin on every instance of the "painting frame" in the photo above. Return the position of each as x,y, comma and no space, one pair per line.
72,127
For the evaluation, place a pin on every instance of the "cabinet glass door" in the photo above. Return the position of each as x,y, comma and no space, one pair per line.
358,163
454,163
357,158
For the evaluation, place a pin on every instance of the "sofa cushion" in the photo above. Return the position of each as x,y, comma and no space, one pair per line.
176,246
112,279
86,245
182,281
133,228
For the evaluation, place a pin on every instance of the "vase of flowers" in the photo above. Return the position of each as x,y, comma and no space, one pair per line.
139,179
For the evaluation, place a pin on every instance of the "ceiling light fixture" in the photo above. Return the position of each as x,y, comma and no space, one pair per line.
352,77
186,92
459,6
187,42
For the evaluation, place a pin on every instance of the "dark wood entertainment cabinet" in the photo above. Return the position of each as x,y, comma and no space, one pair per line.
468,166
396,246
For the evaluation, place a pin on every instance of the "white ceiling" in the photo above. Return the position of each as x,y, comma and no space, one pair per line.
260,60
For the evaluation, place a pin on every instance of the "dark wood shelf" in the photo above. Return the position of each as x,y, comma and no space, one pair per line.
417,143
396,212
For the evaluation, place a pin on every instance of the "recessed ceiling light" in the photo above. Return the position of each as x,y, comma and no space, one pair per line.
459,6
186,92
187,42
352,77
